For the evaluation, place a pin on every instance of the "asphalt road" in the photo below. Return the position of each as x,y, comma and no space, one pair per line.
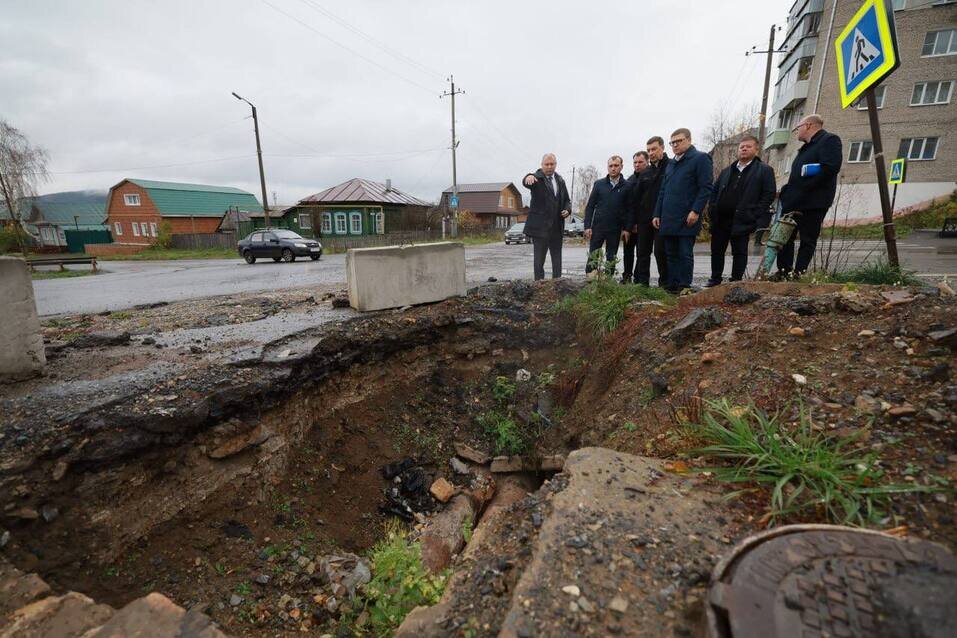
124,284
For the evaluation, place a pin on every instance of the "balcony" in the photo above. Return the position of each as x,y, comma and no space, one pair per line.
796,93
776,138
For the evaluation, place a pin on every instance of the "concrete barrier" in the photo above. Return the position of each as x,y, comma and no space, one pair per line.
394,276
21,344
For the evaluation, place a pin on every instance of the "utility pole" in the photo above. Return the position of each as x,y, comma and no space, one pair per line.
887,210
259,154
572,196
455,180
763,117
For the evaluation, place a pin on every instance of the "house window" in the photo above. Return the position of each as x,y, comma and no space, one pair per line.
305,220
859,152
326,223
501,199
117,228
153,228
131,200
879,93
355,223
340,223
502,221
927,93
940,43
511,202
379,220
918,148
785,117
136,229
898,4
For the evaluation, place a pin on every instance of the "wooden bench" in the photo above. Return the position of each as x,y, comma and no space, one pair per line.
61,261
950,228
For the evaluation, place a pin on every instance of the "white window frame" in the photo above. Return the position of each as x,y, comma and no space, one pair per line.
951,44
118,229
923,144
880,92
379,222
153,229
937,85
308,221
855,152
344,229
511,201
327,223
899,5
501,200
136,229
132,199
353,218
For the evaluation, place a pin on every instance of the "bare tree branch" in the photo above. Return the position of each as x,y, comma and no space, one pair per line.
23,167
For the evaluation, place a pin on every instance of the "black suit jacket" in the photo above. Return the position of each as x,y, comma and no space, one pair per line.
757,190
545,209
817,191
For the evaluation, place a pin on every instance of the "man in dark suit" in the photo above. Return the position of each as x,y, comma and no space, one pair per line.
607,220
810,190
644,196
741,197
549,208
640,162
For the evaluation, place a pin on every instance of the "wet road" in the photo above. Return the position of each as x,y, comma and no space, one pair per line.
124,284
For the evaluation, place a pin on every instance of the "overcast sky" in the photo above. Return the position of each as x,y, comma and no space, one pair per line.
137,88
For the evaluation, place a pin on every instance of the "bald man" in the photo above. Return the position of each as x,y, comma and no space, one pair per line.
810,190
549,208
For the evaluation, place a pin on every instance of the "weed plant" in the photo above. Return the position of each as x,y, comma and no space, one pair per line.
600,307
806,471
876,273
507,437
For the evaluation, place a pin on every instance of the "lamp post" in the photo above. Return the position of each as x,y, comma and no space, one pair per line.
259,154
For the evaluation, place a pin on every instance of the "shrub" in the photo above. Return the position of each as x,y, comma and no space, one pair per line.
164,239
503,390
8,238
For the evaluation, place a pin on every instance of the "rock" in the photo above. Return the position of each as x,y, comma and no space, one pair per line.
458,466
27,514
49,513
897,297
471,454
902,411
4,539
442,536
572,590
618,605
853,302
522,375
72,614
868,404
740,296
585,606
59,470
934,415
238,442
940,372
340,302
492,280
799,379
659,384
261,579
866,333
101,339
157,615
505,464
195,349
944,337
945,289
148,341
796,332
695,323
710,357
235,600
442,490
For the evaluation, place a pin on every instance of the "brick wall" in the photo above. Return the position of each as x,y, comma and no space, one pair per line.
103,250
119,212
188,226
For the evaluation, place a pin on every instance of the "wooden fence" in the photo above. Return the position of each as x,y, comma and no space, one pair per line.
204,240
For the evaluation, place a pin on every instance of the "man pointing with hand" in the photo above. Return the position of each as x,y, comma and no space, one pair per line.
549,208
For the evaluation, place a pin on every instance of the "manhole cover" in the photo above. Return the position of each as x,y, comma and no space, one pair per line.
818,580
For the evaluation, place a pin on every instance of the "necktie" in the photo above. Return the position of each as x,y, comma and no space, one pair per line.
551,182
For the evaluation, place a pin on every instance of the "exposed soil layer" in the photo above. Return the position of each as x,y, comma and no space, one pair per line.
222,484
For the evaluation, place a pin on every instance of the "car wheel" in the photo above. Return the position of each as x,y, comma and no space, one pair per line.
277,259
249,257
287,255
315,257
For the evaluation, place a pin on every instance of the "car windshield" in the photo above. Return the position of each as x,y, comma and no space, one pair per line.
517,228
286,234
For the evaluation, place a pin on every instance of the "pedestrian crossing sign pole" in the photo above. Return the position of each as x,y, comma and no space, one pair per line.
866,53
897,172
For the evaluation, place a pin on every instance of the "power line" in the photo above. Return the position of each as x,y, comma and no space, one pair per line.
352,51
398,55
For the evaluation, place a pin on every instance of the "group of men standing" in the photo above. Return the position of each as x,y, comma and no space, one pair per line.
658,210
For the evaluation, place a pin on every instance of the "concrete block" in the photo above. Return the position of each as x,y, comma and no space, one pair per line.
395,276
21,344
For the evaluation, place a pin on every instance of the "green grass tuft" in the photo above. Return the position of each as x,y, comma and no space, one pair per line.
805,470
876,273
600,307
507,437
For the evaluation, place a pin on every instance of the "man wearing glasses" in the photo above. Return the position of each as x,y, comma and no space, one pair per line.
810,190
606,215
685,190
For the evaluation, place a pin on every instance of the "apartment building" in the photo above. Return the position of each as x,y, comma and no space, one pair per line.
916,103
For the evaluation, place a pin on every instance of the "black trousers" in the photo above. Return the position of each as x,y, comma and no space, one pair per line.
808,229
720,238
610,240
628,261
650,242
542,245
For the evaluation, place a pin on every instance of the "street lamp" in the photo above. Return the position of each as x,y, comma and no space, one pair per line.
259,154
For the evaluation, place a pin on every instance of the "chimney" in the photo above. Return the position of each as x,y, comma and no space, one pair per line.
388,185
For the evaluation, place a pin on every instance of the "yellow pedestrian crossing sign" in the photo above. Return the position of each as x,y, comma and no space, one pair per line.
866,50
897,171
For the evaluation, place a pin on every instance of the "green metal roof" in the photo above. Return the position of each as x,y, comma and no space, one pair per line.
174,199
72,208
